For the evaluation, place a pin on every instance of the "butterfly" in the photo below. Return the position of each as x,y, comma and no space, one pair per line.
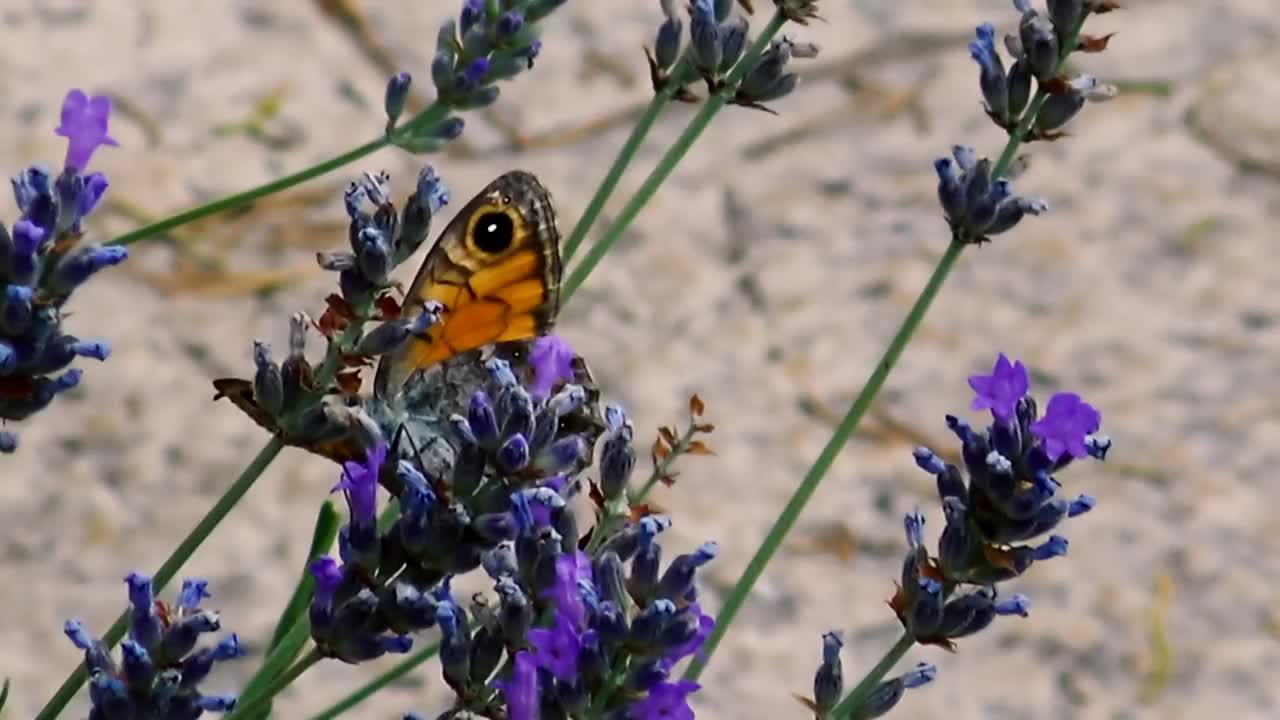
493,276
495,272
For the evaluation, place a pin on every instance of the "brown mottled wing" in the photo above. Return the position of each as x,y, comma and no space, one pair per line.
489,292
240,393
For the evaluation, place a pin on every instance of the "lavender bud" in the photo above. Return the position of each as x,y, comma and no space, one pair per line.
733,41
268,386
442,72
397,96
472,13
77,267
1065,14
666,48
704,36
509,24
828,682
1058,110
1019,87
17,311
513,456
1040,44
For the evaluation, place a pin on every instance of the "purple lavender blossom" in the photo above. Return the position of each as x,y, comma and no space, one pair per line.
160,668
84,125
521,691
665,701
556,648
360,484
328,576
552,361
1064,426
1001,390
570,570
706,624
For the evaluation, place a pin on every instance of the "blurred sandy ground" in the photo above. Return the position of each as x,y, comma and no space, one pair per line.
767,276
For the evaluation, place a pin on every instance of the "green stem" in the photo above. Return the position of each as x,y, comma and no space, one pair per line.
620,163
858,696
249,706
180,555
661,468
431,115
610,686
671,158
367,690
791,513
233,201
322,537
282,654
787,519
1015,138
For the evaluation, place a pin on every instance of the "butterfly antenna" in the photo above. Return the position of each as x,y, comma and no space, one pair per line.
417,453
395,440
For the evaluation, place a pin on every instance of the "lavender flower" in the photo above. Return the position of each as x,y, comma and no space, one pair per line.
552,361
160,670
887,694
666,701
975,204
1001,390
828,681
718,39
486,44
1065,425
1043,42
1009,498
520,691
42,262
1007,501
395,98
556,649
84,125
597,617
769,80
350,622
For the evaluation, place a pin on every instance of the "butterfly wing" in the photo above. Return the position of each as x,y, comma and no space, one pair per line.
240,392
495,272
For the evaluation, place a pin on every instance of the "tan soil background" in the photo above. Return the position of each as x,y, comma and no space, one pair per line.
767,275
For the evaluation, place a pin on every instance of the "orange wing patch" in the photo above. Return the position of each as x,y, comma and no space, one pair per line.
518,266
489,293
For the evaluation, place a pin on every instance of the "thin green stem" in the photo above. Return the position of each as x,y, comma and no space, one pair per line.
670,159
1033,108
280,657
1015,138
620,163
787,519
367,690
176,560
248,707
858,696
610,686
791,513
293,626
322,537
241,198
432,114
